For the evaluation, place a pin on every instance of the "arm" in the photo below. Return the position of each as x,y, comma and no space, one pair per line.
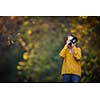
63,51
77,53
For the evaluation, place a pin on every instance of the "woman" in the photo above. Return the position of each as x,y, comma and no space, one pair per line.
71,68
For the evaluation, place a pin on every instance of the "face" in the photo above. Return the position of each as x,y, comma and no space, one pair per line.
69,38
73,45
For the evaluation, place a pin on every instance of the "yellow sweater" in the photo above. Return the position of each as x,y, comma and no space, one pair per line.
71,63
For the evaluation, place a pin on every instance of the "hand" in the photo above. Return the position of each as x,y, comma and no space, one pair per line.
71,48
67,42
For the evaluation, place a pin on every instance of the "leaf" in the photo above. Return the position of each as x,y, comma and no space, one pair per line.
25,56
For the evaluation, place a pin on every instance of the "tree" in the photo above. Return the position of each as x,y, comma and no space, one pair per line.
32,46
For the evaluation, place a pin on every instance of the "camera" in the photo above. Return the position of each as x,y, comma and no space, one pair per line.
73,41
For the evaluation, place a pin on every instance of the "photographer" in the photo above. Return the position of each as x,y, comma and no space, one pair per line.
71,68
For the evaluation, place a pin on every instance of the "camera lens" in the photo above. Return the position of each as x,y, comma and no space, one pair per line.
70,44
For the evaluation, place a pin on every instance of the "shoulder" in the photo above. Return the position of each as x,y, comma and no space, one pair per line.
77,48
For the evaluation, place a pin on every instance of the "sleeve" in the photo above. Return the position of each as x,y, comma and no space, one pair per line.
77,53
63,51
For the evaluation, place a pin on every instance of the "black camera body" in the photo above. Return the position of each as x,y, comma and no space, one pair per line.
73,41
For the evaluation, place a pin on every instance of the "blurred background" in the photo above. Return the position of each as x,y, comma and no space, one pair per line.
30,46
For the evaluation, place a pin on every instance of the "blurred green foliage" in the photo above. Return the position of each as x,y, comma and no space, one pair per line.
30,46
